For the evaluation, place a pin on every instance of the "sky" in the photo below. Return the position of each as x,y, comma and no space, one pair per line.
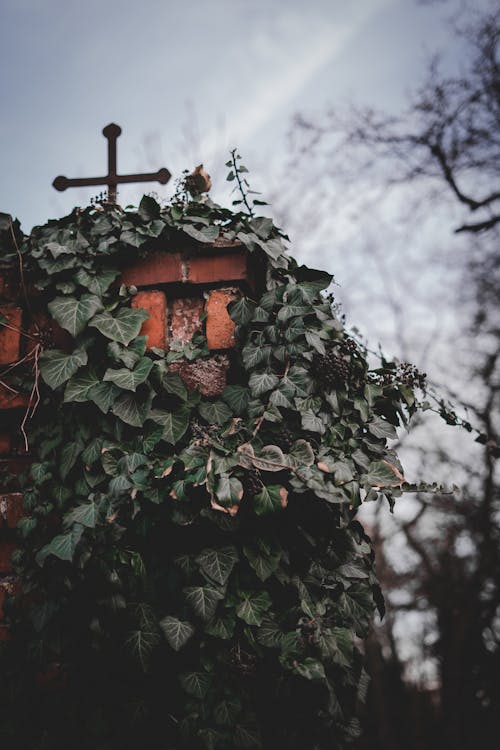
186,82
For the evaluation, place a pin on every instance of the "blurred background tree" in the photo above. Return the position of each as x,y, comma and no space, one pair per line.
429,173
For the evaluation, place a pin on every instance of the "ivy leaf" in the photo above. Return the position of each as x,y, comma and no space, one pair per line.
311,669
242,310
218,564
196,684
78,387
123,326
174,384
270,499
205,234
203,600
129,379
68,457
141,643
383,474
236,396
131,410
271,459
269,634
380,428
148,208
104,396
174,424
62,546
222,627
215,412
311,422
227,711
96,284
73,314
262,382
85,514
177,632
263,561
253,607
57,367
302,453
229,490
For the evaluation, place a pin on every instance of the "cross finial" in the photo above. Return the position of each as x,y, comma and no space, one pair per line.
112,179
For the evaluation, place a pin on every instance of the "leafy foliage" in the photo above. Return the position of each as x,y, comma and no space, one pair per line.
183,537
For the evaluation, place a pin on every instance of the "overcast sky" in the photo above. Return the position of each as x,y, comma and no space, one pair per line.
185,80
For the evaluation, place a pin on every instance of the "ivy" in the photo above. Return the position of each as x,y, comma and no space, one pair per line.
208,543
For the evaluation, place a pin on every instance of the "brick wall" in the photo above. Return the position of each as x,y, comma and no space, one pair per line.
184,292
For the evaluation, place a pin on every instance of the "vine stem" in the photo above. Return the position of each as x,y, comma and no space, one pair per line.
240,184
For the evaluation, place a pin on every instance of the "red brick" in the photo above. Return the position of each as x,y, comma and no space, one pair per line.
6,550
186,318
209,269
10,338
220,327
155,328
12,399
157,268
11,509
3,595
4,443
9,284
4,633
208,374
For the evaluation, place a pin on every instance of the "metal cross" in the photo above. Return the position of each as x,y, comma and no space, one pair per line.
111,132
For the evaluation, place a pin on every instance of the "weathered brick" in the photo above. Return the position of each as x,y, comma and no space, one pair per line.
10,336
6,550
9,284
210,269
11,509
208,374
12,399
220,327
4,633
5,443
186,318
157,268
155,328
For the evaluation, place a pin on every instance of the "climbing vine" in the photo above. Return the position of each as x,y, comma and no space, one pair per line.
192,567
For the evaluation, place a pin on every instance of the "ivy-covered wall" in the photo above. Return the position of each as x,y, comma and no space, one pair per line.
200,431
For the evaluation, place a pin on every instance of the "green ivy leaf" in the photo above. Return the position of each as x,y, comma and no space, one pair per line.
79,386
131,409
174,424
98,283
270,499
380,428
104,396
242,310
253,607
262,382
62,546
205,234
73,314
215,412
86,514
218,564
57,367
196,684
263,560
122,326
310,669
129,379
174,384
236,397
203,600
312,423
177,632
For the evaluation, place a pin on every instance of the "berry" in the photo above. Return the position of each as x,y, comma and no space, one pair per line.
331,370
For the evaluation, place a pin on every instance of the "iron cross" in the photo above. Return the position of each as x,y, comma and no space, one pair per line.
111,132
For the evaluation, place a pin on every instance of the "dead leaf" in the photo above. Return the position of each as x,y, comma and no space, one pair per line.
284,497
